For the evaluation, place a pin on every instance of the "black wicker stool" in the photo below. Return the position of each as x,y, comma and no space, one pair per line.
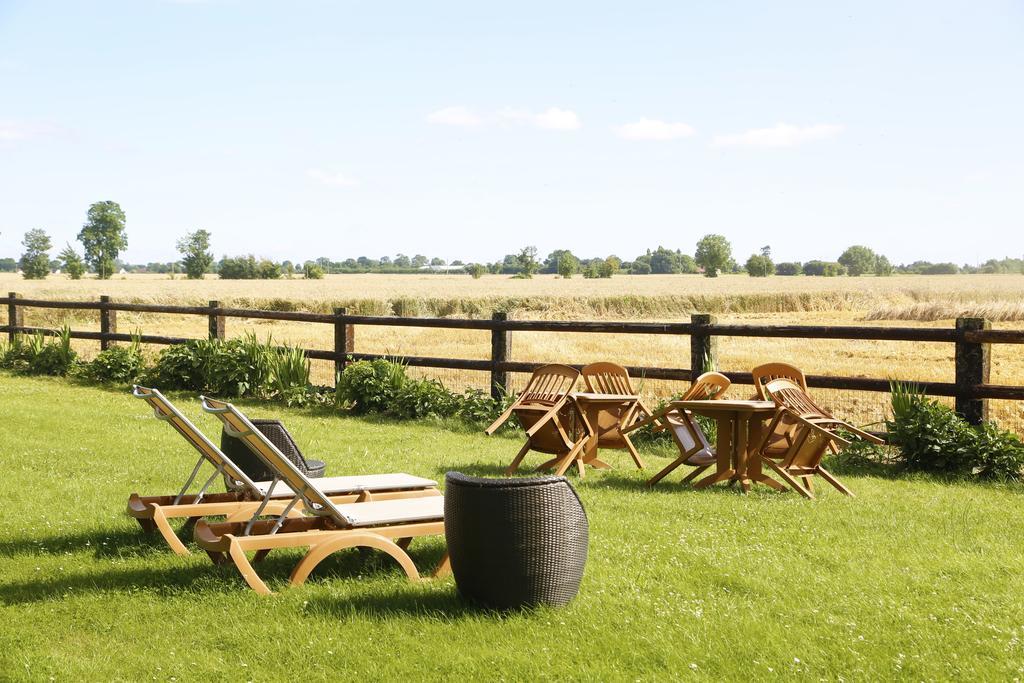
515,542
249,463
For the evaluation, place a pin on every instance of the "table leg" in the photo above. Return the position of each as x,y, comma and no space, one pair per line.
755,472
723,453
742,426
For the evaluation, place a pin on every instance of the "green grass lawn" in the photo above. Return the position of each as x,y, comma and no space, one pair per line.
915,579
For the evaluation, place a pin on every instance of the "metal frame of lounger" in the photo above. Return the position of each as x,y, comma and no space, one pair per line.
328,526
153,512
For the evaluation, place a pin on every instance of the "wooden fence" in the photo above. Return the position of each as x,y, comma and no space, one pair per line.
972,337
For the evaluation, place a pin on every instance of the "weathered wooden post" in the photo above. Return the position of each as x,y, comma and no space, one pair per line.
501,352
344,340
703,345
973,366
15,316
108,324
215,322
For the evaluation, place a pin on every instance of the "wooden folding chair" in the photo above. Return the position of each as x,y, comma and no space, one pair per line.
807,432
553,423
694,449
244,495
325,526
611,378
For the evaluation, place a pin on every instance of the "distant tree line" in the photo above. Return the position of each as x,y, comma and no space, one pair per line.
103,237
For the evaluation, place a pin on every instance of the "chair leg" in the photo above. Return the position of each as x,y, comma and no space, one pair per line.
789,479
319,553
444,567
694,473
518,459
147,525
245,569
570,457
808,482
827,476
160,520
260,555
666,471
632,451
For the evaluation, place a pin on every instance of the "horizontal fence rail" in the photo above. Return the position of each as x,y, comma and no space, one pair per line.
971,336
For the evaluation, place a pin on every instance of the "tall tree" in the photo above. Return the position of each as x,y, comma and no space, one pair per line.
568,264
72,263
194,248
528,264
35,262
858,260
103,236
713,254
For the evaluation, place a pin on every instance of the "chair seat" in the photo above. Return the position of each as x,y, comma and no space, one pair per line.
701,459
333,486
376,513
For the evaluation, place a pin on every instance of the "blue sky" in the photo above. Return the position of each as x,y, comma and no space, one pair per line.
468,129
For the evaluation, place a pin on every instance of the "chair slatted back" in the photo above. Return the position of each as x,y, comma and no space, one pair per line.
772,371
708,385
238,425
548,385
607,378
788,394
167,412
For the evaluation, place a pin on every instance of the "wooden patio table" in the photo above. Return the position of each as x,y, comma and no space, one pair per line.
606,416
741,427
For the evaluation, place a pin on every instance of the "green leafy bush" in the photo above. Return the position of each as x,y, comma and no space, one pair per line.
34,355
370,386
931,437
237,367
382,386
121,365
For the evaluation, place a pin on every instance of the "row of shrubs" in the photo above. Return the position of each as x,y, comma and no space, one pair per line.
924,434
247,367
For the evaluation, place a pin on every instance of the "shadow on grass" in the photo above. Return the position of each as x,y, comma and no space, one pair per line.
445,605
106,580
104,543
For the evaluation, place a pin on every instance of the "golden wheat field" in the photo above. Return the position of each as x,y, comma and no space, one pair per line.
894,301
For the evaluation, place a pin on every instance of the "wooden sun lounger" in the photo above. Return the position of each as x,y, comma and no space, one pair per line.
324,527
245,496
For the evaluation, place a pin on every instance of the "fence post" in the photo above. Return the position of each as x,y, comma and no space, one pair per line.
216,322
501,352
344,340
108,324
703,346
973,366
15,316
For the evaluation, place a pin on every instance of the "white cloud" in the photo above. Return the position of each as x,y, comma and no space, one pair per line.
781,135
653,129
454,116
332,179
552,118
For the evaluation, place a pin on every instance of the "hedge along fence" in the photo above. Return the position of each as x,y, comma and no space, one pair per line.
972,338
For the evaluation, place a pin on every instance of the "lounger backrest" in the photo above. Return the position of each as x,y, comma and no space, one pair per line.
607,378
708,385
166,411
548,385
771,371
238,425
